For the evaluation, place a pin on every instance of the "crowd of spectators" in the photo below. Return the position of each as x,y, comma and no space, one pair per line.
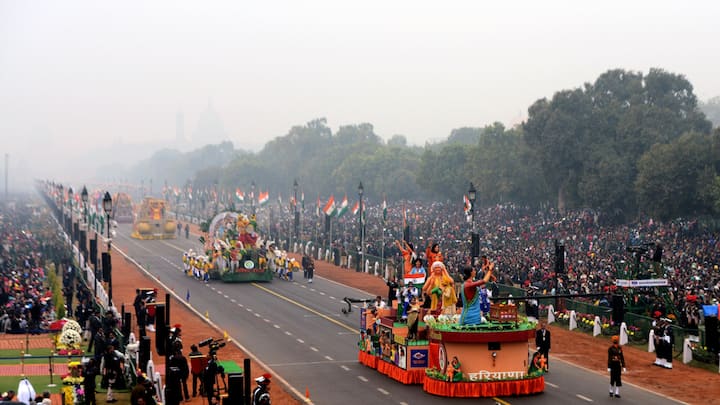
26,304
521,241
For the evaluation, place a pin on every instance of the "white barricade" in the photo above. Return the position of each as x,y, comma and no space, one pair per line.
551,314
597,326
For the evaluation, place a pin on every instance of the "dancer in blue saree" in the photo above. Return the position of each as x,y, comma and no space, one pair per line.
471,312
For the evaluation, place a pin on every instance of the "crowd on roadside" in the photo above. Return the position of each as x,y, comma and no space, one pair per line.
26,304
521,242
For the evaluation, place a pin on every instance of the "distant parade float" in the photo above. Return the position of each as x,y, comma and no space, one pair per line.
123,208
480,351
232,252
152,221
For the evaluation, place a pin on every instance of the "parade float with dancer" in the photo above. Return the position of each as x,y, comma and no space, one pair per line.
479,351
152,221
232,251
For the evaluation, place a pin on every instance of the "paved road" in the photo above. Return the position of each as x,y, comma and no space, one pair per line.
298,330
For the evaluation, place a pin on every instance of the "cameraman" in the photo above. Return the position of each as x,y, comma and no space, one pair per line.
210,375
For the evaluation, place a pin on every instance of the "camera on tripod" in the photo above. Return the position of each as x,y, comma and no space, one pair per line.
213,344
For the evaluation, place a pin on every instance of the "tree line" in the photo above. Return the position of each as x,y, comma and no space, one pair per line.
628,144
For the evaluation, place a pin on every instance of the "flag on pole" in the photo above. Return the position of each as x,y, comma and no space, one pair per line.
329,208
317,207
384,207
343,207
302,200
240,195
356,208
467,206
263,198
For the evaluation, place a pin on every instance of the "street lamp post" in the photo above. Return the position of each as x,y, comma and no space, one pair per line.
296,215
70,202
474,237
83,227
107,207
361,259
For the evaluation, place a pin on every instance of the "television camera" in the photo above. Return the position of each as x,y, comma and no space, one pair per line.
213,344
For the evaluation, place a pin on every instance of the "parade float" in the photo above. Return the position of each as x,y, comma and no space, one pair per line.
123,208
450,357
231,251
152,221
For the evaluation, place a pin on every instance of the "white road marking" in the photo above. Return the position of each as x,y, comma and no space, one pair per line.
233,300
404,403
346,368
363,379
331,297
240,305
300,341
382,391
288,333
225,296
315,349
276,326
551,384
329,358
257,315
322,293
584,398
266,320
249,309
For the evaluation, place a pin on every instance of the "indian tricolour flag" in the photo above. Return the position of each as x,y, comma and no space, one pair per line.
263,197
356,208
467,206
343,207
329,208
239,195
384,210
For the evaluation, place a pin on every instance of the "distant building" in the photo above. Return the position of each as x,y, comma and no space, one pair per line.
180,128
210,129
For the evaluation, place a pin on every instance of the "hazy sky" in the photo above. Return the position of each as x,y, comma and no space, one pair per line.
79,73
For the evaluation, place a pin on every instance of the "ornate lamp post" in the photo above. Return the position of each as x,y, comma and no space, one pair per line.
296,215
70,202
107,207
361,259
474,237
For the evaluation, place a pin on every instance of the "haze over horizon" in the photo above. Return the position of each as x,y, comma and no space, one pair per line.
78,76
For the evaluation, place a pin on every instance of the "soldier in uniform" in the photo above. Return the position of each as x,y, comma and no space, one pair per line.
261,393
616,366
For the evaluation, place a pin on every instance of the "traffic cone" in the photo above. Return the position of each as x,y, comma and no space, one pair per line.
225,335
307,392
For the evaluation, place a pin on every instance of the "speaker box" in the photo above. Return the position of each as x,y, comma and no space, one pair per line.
161,329
93,251
235,387
106,266
618,308
711,333
126,325
475,248
144,352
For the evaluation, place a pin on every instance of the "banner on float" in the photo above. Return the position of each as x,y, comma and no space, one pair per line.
652,282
